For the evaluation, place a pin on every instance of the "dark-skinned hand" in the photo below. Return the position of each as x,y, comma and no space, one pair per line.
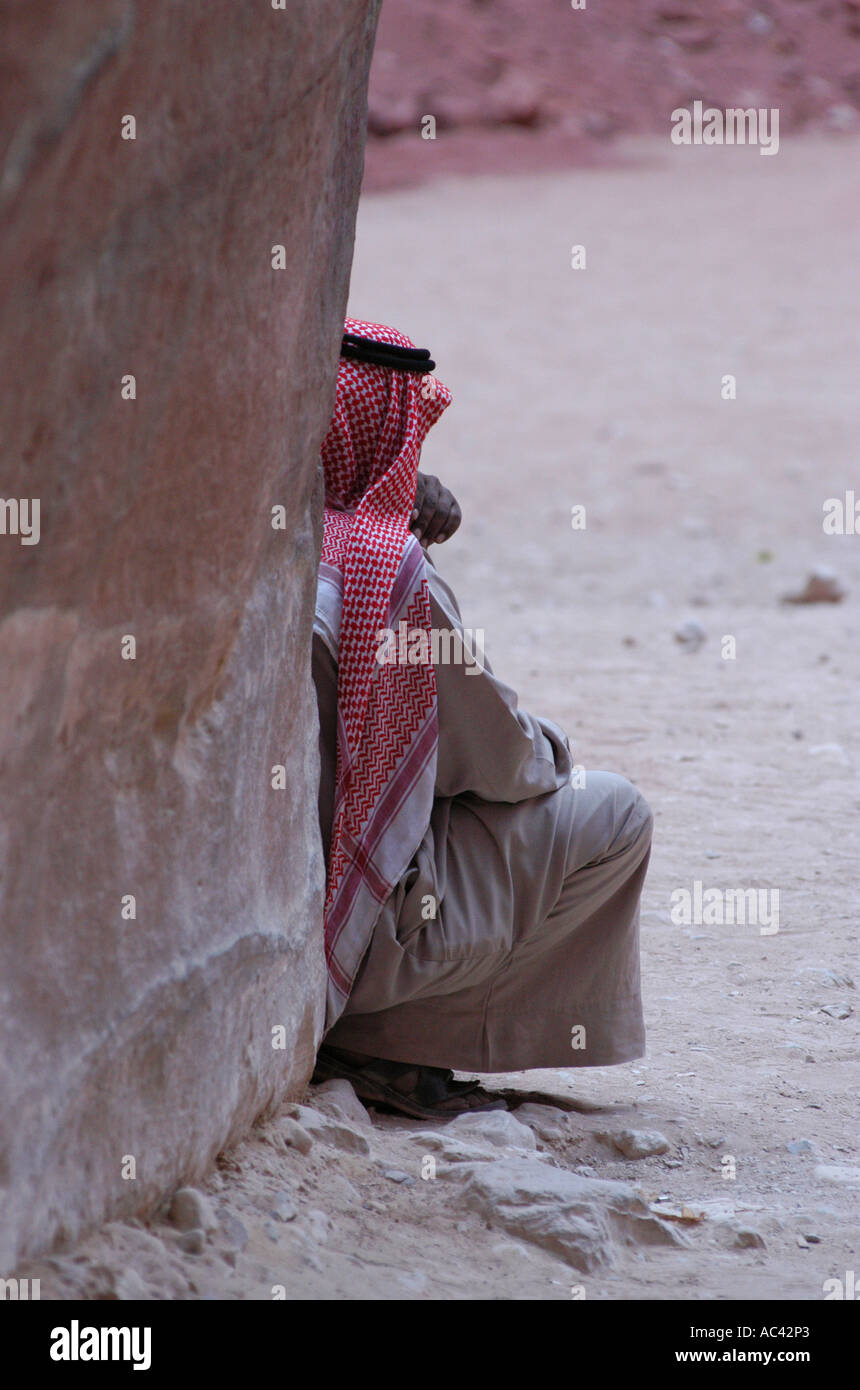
436,514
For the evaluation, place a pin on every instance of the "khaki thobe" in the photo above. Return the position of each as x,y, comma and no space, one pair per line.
512,941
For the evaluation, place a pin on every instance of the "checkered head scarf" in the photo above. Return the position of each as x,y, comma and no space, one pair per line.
387,725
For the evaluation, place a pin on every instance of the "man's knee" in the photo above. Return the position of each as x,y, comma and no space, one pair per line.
632,817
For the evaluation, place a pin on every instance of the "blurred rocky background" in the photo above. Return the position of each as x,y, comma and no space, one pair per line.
520,84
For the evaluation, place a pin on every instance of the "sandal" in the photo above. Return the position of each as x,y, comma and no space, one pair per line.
424,1093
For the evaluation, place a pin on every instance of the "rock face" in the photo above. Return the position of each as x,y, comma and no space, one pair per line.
166,385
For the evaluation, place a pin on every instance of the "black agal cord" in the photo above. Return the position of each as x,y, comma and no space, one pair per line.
386,354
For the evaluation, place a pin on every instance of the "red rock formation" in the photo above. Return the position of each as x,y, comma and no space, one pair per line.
134,1047
522,83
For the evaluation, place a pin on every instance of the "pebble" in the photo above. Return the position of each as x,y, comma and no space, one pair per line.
691,635
799,1146
837,1010
296,1136
746,1238
319,1224
282,1208
825,976
191,1210
234,1234
395,1175
637,1143
192,1242
338,1097
822,586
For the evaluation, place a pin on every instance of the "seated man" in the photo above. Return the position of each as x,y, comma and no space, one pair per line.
482,910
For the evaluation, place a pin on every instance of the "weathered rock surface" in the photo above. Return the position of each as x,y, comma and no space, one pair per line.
496,1127
295,1136
546,1121
136,1041
447,1147
578,1218
325,1129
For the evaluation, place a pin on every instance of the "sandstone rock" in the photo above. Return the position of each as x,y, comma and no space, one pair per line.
451,1149
328,1131
232,1233
143,1035
822,586
282,1208
637,1143
839,1173
192,1242
496,1127
547,1122
838,1011
823,975
678,1211
296,1136
580,1219
338,1097
191,1210
747,1238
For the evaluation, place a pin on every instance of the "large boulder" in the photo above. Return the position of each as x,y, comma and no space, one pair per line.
137,1039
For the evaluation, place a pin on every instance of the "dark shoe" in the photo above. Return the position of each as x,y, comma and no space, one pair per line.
425,1093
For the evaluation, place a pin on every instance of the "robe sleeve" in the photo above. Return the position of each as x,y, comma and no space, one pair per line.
487,745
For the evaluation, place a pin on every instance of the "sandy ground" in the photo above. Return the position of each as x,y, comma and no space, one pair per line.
601,387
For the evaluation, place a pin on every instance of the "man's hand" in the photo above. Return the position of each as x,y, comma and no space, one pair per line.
436,514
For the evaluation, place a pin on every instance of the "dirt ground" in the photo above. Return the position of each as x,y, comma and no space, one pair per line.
602,387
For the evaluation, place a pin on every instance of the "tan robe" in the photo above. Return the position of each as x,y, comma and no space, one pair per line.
531,956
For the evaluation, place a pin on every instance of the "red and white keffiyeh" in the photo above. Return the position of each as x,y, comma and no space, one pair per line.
375,569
